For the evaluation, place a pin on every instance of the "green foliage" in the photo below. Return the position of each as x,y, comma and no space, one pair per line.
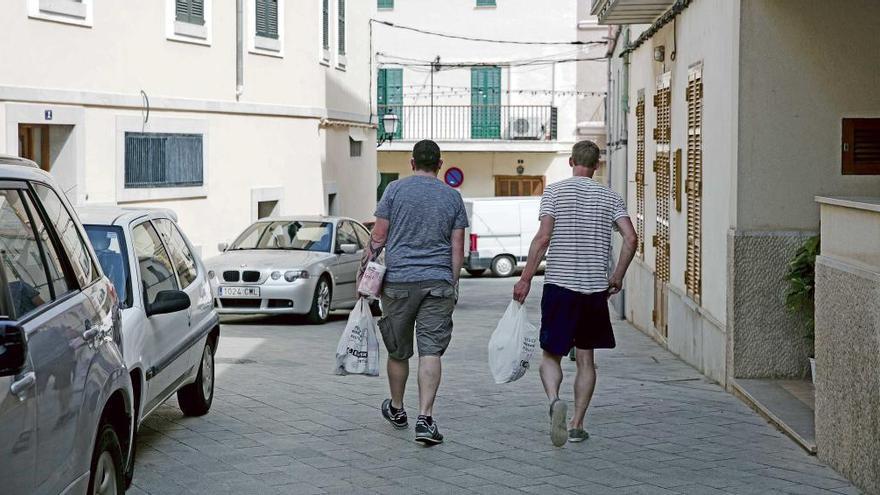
801,278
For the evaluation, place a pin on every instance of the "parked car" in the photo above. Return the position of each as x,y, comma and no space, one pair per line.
291,265
66,399
170,330
500,234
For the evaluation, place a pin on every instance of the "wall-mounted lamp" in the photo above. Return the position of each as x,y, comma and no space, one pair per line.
520,170
659,53
389,126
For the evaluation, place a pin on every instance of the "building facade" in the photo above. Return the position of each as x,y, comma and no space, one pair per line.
504,114
734,116
222,111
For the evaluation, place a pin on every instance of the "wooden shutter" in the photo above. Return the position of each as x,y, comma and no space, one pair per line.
325,22
389,97
662,131
694,260
640,173
190,11
861,147
267,18
485,3
341,32
386,4
485,102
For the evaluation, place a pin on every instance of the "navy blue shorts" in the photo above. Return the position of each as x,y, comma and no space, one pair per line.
570,318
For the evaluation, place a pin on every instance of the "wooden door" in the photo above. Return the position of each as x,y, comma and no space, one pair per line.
33,144
519,185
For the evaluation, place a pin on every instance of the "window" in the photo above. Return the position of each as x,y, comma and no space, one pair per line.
693,278
389,98
181,256
292,235
109,245
163,160
662,131
362,235
154,265
341,28
345,235
861,147
485,102
385,4
518,185
57,214
355,147
77,12
267,18
325,24
640,173
265,27
32,273
190,11
485,3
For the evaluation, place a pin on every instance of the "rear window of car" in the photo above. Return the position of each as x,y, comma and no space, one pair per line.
109,245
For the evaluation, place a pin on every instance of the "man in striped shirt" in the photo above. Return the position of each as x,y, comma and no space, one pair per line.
578,216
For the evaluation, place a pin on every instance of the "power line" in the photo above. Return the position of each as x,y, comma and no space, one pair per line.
484,40
446,65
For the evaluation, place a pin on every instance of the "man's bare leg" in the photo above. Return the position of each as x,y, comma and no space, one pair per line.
429,381
398,373
551,375
584,385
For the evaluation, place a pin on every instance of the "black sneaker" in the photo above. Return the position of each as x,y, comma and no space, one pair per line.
427,432
397,418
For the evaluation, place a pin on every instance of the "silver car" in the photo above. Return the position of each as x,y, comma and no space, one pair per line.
169,328
66,399
290,265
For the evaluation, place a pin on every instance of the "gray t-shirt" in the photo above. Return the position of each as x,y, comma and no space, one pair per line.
422,213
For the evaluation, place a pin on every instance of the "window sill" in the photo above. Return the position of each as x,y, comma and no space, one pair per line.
190,33
341,62
63,11
130,195
268,47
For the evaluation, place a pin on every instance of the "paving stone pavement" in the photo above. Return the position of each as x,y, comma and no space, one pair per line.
282,423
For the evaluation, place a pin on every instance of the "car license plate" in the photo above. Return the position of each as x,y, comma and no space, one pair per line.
239,292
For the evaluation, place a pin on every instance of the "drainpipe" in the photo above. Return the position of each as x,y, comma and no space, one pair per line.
239,49
625,139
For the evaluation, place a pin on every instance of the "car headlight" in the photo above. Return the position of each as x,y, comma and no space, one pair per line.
292,275
211,274
276,275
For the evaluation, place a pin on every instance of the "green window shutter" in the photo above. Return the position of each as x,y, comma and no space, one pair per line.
389,97
190,11
326,24
485,102
386,4
267,18
341,32
485,3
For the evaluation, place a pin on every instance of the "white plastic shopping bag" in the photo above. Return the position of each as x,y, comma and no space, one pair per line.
358,350
512,345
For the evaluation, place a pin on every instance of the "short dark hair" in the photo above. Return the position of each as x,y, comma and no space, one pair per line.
585,153
426,156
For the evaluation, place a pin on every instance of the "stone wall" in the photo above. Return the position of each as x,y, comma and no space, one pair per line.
766,340
848,371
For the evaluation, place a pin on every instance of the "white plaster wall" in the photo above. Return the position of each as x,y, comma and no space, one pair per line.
806,64
355,178
708,33
511,19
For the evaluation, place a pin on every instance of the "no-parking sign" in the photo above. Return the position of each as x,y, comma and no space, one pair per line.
454,177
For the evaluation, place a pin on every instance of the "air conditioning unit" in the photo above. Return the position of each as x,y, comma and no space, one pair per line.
526,128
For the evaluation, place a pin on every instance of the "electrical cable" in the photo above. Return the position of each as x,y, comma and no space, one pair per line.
484,40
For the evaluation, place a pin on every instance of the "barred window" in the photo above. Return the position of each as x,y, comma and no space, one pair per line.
355,147
341,30
163,160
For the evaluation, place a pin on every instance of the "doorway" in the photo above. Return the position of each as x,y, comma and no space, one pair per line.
267,209
519,185
51,147
33,144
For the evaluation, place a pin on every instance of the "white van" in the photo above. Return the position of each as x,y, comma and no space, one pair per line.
500,234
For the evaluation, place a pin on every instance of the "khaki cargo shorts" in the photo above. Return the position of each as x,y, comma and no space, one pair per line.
425,307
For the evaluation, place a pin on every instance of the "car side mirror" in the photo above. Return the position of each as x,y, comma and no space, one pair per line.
223,246
13,350
348,248
168,301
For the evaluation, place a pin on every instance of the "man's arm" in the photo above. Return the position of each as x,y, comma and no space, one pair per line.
630,242
457,254
536,253
378,237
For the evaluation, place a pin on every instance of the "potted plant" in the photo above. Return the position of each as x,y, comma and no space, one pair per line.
799,300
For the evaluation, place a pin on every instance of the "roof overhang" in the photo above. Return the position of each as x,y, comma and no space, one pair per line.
629,11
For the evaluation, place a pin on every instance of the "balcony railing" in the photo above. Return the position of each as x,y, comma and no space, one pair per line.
472,122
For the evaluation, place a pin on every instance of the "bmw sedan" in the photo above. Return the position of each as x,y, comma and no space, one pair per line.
290,265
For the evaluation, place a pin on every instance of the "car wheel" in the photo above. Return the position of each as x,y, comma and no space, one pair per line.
320,311
195,399
503,266
476,273
106,475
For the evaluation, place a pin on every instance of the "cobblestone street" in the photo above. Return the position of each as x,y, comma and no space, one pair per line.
282,423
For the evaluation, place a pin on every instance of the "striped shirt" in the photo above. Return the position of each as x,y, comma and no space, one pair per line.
580,246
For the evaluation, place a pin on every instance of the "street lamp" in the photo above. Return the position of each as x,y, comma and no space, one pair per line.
389,124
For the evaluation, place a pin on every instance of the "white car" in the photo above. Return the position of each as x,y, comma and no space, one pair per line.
170,330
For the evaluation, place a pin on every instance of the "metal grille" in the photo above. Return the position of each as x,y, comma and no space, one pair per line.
662,100
341,31
232,302
250,276
640,173
231,276
325,24
693,268
163,160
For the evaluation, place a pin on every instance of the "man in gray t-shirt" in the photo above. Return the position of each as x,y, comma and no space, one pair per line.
420,221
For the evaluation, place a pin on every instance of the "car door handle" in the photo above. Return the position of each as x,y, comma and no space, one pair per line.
25,382
91,332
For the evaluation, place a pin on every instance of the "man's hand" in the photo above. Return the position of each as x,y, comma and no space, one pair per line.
615,283
521,291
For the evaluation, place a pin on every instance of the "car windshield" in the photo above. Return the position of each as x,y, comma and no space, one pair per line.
294,235
109,245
